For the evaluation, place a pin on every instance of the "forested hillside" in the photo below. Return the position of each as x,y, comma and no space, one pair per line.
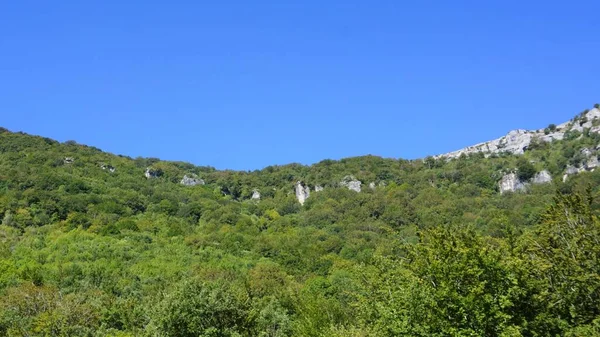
95,244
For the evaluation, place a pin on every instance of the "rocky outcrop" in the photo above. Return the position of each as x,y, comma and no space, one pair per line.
591,163
372,185
151,173
69,160
351,183
511,183
191,181
517,141
255,195
302,192
110,168
542,177
318,188
571,170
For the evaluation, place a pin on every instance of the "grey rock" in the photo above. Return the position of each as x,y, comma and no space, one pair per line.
542,177
586,152
351,183
318,188
517,141
511,183
150,173
302,192
372,185
255,195
591,163
571,170
69,160
191,181
110,168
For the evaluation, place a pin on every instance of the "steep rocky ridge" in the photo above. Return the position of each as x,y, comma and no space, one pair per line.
517,141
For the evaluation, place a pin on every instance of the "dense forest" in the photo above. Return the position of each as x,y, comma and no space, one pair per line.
95,244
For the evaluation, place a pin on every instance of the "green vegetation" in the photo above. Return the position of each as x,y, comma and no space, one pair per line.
433,250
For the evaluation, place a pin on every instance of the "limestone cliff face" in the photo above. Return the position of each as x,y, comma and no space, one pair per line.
511,182
517,141
589,165
151,173
351,183
542,177
191,181
302,192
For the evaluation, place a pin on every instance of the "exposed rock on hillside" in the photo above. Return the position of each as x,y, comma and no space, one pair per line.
302,192
191,181
351,183
517,141
151,173
511,183
255,195
69,160
318,188
542,177
110,168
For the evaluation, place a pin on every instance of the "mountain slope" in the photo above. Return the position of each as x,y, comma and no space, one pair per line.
95,244
517,141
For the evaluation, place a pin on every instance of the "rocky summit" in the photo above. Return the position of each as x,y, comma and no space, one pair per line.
518,141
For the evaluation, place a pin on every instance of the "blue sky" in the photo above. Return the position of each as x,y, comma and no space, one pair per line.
247,84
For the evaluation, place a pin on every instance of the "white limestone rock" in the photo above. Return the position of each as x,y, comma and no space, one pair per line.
511,183
318,188
110,168
302,192
571,170
191,181
586,152
372,185
517,141
542,177
69,160
351,183
255,195
150,173
591,163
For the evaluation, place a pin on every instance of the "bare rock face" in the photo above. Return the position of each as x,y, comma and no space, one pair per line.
517,141
69,160
255,195
571,170
110,168
586,152
351,183
372,185
302,192
511,183
151,173
191,181
591,163
318,188
542,177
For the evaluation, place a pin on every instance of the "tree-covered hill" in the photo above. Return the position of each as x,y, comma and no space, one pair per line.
95,244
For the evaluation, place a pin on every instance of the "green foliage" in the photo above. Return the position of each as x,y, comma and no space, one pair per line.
525,170
432,250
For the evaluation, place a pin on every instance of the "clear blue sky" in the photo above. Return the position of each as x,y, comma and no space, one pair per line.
246,84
